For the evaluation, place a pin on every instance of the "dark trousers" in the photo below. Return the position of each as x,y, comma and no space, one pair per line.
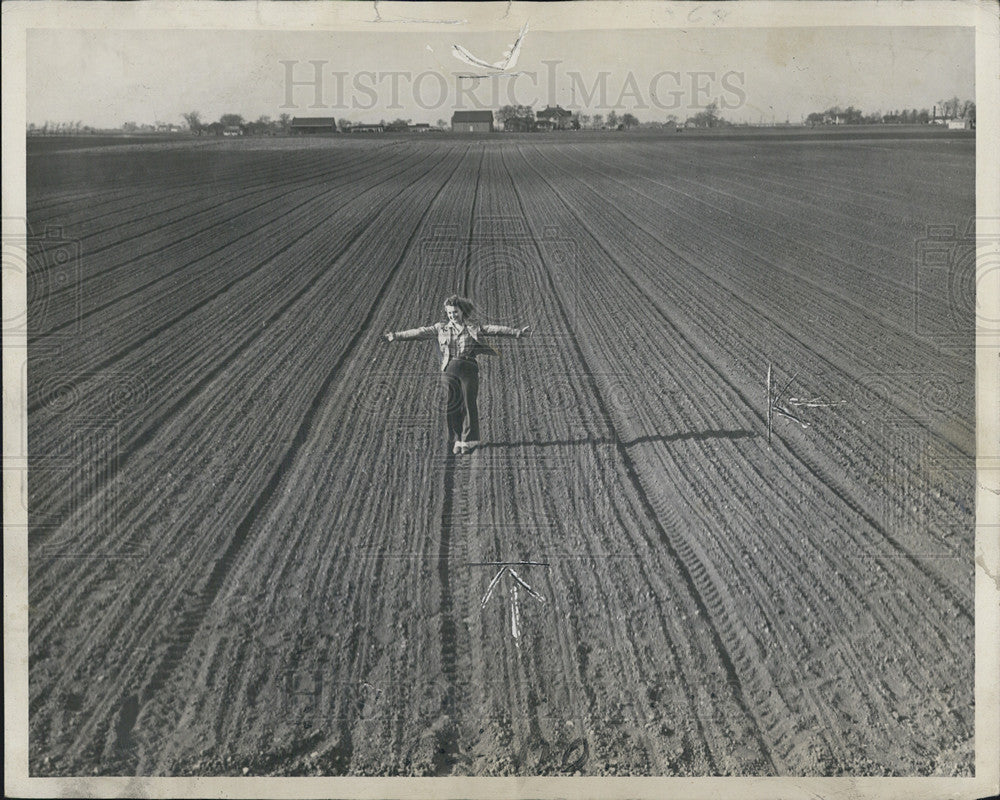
461,385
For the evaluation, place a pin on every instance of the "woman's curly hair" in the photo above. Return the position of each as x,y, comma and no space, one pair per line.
464,304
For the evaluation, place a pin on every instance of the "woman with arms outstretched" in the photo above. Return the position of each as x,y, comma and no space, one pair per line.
460,340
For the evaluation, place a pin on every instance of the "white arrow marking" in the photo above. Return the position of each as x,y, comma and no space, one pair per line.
515,602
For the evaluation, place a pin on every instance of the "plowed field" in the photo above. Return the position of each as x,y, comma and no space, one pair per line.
251,551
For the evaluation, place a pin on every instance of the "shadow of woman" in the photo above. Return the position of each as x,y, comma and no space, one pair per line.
698,436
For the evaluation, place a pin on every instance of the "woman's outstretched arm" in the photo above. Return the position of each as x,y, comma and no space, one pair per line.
427,332
503,330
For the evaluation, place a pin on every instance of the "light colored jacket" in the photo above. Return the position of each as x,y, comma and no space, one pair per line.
469,340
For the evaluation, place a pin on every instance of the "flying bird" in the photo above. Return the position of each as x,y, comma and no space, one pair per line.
497,68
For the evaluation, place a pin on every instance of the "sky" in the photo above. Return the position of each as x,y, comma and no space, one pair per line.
105,78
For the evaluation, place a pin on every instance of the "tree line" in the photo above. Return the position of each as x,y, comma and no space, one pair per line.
576,121
525,118
261,126
55,128
708,117
264,125
952,108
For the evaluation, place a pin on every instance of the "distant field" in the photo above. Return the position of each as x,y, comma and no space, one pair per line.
251,553
45,144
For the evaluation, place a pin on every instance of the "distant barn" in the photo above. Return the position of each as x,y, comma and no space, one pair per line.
472,122
303,125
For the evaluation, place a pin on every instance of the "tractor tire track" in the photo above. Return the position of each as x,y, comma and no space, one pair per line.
453,475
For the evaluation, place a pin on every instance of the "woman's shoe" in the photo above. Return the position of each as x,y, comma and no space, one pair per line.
458,449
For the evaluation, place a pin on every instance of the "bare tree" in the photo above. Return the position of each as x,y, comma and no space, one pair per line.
709,118
193,120
950,108
515,112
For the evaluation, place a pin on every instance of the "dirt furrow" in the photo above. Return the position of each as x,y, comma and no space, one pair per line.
193,204
160,179
583,226
257,342
311,216
537,742
133,435
365,566
829,478
846,281
693,299
734,679
755,300
850,229
174,649
114,284
253,554
838,178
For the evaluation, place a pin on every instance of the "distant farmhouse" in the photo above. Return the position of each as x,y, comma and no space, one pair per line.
954,123
550,118
365,127
306,125
420,127
518,125
232,130
472,122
